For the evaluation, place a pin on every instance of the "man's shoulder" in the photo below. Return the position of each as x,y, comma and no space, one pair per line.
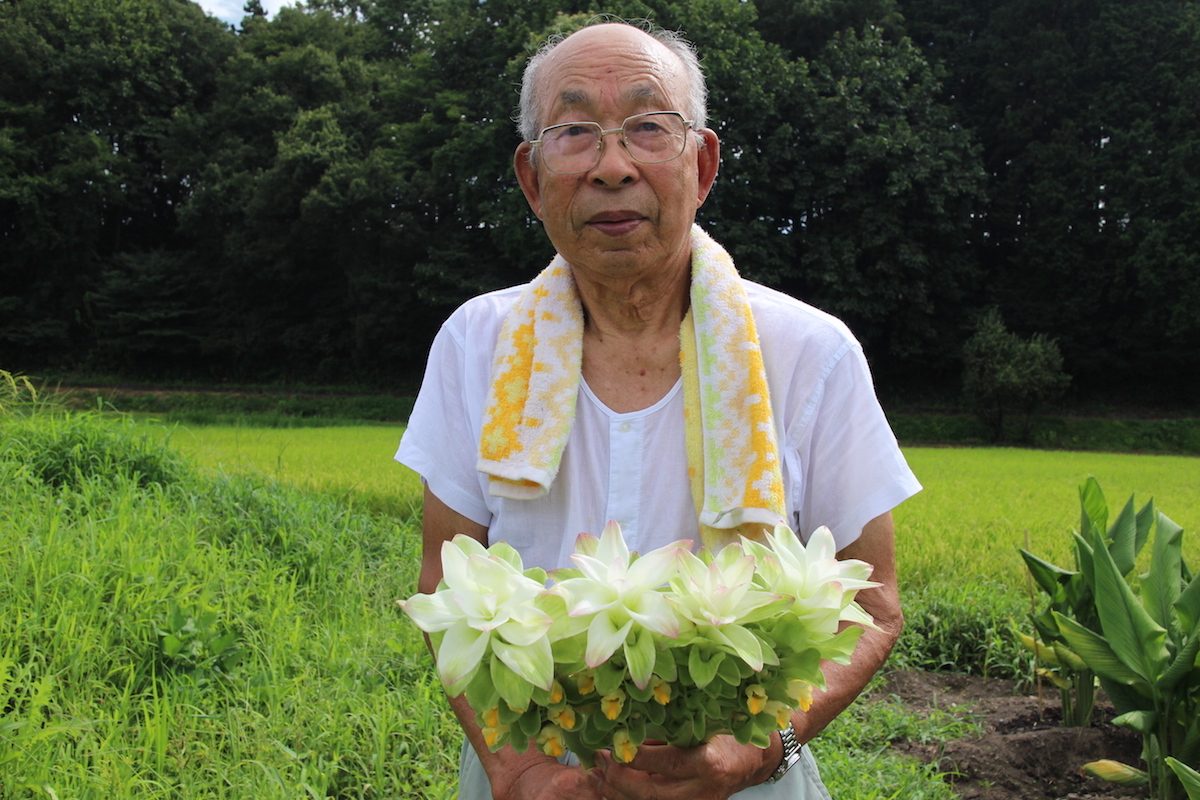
484,309
780,315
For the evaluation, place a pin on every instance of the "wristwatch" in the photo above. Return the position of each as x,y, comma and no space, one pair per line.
791,753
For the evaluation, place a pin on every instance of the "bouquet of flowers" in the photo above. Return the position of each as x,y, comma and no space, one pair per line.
670,646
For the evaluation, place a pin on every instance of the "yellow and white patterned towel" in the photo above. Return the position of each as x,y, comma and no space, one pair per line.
733,456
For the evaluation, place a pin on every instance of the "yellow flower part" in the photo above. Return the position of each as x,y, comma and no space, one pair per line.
551,742
612,703
623,747
491,717
563,716
756,698
662,691
780,711
802,693
492,735
556,693
586,683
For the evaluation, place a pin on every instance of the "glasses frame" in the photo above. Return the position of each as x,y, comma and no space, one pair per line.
689,124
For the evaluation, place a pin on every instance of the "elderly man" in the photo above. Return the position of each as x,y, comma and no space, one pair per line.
616,161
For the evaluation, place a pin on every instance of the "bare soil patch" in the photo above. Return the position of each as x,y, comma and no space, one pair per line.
1023,752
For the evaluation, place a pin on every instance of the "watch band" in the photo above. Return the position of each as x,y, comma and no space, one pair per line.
791,753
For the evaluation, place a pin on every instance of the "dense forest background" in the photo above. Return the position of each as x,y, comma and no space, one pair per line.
304,198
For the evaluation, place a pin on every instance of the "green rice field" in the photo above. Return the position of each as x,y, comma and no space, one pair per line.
978,506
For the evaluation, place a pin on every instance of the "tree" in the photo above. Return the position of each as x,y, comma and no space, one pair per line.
1005,375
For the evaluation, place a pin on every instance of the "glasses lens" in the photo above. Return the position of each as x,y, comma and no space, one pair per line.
655,137
571,147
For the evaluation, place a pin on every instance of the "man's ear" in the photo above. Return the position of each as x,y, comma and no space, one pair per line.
528,178
708,161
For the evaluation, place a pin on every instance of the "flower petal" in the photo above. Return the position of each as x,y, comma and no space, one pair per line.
603,639
430,612
459,655
533,662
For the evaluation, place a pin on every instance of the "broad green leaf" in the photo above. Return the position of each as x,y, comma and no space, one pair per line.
1095,651
1161,587
1145,521
1189,777
1141,721
1085,557
1183,664
1121,538
1188,606
1124,697
1093,508
1047,576
1137,640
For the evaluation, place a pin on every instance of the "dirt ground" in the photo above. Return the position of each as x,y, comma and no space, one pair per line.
1023,752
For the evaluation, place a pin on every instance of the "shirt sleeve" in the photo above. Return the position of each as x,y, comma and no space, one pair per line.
852,467
440,443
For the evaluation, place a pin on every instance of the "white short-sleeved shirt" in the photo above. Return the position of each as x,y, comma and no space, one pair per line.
842,466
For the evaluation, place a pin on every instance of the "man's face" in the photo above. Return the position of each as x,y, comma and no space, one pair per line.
622,217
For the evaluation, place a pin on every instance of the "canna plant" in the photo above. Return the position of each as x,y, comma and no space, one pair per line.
1071,594
1142,639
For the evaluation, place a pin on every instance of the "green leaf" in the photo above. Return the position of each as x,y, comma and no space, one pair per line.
1189,777
1145,521
1085,558
1093,508
1143,722
1183,664
1049,577
1138,640
1188,606
1095,652
1162,585
1121,537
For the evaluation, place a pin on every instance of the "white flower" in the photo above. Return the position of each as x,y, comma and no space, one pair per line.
485,602
619,596
821,587
720,598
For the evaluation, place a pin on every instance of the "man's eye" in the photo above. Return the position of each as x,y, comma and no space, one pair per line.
647,126
576,130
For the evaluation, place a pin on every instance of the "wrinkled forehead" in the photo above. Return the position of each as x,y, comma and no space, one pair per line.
610,68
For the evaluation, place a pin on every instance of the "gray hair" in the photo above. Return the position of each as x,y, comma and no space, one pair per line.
529,119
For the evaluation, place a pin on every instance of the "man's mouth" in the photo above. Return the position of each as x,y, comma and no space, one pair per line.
616,223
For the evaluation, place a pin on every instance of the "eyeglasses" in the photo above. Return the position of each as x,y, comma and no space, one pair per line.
651,138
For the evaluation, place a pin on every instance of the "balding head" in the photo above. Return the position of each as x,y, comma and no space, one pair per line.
675,49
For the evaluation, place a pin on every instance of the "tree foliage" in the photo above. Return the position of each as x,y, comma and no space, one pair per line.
305,196
1005,375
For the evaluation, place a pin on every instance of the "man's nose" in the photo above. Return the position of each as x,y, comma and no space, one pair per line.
615,166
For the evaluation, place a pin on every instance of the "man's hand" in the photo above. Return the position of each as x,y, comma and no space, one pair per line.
548,780
714,770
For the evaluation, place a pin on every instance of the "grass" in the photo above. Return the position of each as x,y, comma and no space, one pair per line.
351,462
192,635
193,612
